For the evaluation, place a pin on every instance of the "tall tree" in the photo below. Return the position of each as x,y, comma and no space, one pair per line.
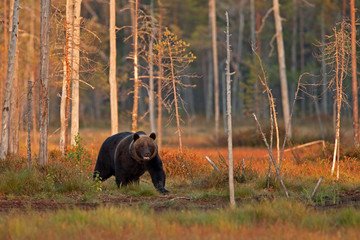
228,115
136,69
112,72
160,80
212,12
31,80
354,75
75,71
282,68
44,80
9,82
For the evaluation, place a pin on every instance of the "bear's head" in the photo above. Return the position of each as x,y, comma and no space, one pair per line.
143,148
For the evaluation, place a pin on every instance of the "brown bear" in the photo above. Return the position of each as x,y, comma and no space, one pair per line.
127,156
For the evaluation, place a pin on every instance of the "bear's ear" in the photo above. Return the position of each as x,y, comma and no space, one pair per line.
135,137
153,136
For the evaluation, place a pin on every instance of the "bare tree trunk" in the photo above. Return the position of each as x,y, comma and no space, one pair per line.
112,73
63,125
75,72
177,116
151,73
282,68
160,79
136,70
354,76
228,115
212,12
340,53
31,80
44,80
6,42
344,8
8,84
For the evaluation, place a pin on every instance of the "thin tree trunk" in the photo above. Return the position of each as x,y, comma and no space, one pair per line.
63,126
8,84
159,94
136,70
151,73
340,66
228,115
75,72
6,41
31,80
44,80
282,68
177,116
354,75
212,12
112,73
67,76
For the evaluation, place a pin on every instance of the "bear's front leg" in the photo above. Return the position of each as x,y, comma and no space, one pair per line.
157,174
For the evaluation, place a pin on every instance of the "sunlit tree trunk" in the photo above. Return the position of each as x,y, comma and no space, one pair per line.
354,75
136,70
67,77
212,12
112,73
228,116
282,68
14,110
160,79
44,80
8,85
75,72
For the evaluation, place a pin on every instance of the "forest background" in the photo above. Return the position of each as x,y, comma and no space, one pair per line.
306,25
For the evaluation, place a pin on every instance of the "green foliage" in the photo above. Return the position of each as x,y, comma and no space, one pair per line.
78,156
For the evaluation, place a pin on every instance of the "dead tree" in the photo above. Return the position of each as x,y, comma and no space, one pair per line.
174,61
228,115
44,80
9,82
337,52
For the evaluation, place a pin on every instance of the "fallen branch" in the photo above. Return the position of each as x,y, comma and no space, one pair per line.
316,187
212,163
322,142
